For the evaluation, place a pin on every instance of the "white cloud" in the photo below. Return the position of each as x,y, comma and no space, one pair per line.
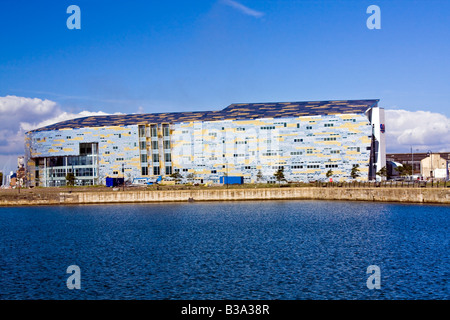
423,130
243,9
63,116
20,114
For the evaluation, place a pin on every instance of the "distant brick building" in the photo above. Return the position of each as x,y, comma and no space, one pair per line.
415,159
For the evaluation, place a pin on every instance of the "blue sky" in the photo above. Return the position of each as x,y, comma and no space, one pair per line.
153,56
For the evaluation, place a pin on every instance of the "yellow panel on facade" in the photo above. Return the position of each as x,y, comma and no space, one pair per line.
335,143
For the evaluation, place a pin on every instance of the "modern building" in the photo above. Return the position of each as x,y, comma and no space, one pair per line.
251,140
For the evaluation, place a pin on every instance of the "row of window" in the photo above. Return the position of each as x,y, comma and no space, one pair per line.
143,145
154,130
79,172
156,170
155,157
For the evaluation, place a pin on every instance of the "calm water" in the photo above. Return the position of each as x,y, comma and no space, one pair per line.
243,250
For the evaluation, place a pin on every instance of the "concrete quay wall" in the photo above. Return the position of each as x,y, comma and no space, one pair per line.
407,195
416,195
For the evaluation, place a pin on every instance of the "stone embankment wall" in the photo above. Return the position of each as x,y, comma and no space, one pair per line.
408,195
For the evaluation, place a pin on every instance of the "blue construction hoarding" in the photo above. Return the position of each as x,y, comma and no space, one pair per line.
114,182
232,180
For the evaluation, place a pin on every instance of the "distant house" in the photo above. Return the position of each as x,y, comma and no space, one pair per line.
434,166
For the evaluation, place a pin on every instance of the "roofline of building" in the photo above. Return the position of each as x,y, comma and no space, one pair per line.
231,117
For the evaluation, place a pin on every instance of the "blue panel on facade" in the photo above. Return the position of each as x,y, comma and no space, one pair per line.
231,180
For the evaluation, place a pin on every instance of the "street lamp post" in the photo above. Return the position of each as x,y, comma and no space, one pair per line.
431,163
123,175
227,175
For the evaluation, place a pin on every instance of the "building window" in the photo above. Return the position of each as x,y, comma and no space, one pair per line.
167,157
144,171
155,145
168,170
213,171
298,140
86,149
156,171
329,125
165,130
154,131
166,144
155,157
141,131
142,145
143,158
